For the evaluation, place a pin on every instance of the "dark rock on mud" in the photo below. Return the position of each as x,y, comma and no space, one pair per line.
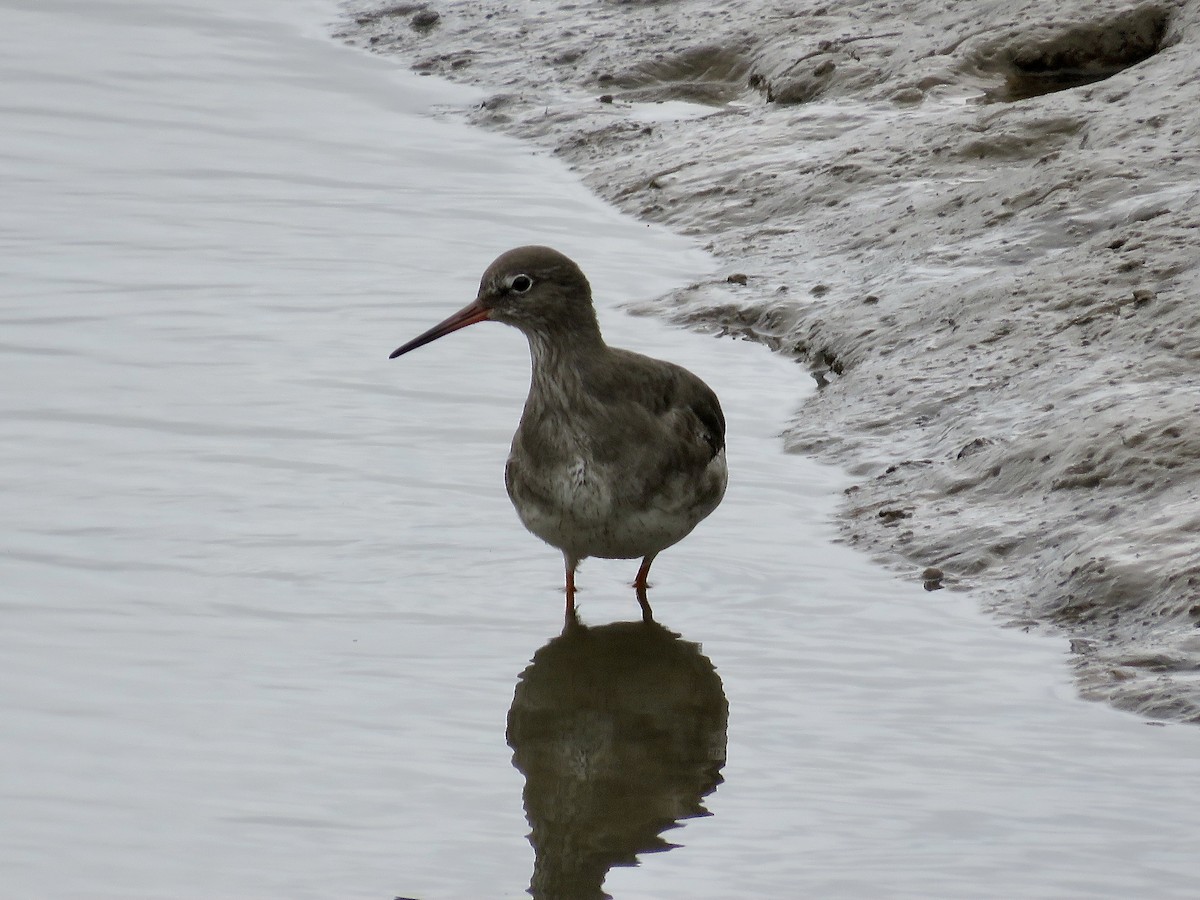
426,18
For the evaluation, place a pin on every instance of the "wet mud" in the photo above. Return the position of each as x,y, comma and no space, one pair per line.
976,225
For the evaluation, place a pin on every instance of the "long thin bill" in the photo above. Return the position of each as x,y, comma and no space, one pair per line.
470,314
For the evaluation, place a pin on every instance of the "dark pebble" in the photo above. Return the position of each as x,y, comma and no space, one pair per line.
426,18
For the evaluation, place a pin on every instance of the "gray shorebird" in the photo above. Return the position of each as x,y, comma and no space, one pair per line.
617,455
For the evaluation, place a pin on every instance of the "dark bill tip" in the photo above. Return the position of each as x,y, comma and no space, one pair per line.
470,314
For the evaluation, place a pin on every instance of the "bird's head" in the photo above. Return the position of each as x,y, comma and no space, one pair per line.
535,289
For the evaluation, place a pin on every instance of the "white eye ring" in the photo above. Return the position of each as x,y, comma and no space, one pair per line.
520,284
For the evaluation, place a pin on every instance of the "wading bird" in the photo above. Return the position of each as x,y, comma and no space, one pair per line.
617,455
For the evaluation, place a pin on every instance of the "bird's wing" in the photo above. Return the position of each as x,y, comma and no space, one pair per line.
663,402
707,409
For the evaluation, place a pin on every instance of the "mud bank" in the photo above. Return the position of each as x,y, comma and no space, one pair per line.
979,226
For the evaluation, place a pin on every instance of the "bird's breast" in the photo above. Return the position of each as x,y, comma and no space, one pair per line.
566,487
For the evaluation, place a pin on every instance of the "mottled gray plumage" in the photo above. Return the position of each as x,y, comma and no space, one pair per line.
617,455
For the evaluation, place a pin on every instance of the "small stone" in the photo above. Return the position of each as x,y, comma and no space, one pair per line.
908,95
606,98
973,447
426,18
737,278
931,578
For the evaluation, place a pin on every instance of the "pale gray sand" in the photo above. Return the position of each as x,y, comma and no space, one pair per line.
995,277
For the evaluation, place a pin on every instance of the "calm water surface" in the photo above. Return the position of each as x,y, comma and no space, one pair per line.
265,601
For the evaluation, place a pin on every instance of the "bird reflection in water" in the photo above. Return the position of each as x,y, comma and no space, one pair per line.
620,733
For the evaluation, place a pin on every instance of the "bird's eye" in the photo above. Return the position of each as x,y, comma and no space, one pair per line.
521,283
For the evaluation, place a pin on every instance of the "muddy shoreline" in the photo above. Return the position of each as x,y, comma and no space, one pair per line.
979,228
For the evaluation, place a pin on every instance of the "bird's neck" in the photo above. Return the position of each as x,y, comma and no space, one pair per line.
561,358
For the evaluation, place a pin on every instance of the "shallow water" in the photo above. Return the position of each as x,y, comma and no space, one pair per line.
266,604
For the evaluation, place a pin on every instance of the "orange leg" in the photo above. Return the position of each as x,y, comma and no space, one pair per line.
570,566
643,573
